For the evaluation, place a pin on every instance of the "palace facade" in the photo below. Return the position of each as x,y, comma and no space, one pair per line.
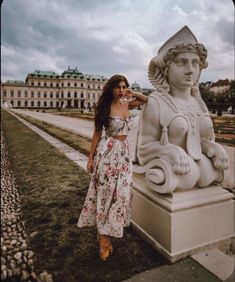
47,89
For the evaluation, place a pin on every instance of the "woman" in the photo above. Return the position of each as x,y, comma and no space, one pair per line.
108,201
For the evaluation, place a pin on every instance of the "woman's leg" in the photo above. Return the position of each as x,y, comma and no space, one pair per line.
105,246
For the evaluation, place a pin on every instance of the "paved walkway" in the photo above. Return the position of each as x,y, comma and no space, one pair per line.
80,126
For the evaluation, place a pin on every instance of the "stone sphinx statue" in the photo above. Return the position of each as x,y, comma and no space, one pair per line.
176,141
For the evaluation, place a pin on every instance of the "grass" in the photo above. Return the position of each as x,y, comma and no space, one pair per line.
89,116
52,191
70,112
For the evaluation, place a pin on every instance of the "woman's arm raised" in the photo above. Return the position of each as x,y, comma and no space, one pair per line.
139,99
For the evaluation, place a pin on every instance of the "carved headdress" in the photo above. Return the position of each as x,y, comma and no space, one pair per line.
183,41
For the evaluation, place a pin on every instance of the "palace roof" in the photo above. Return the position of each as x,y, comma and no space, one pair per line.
72,73
39,73
95,77
14,82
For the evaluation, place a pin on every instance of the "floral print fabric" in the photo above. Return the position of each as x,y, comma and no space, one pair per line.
108,200
118,126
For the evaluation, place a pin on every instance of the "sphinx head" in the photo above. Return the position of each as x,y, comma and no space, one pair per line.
183,42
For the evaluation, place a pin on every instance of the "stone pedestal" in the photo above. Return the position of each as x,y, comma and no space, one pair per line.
182,223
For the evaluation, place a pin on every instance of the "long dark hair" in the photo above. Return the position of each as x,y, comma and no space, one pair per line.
103,106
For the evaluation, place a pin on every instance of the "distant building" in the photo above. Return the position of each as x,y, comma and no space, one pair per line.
135,86
219,87
47,89
205,84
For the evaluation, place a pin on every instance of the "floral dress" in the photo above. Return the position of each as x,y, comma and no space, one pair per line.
109,197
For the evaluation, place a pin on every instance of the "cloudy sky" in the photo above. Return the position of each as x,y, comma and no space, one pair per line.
108,37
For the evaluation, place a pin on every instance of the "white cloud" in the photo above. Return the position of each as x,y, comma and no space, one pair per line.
178,10
106,37
7,51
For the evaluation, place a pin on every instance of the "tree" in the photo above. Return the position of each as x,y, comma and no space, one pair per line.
207,96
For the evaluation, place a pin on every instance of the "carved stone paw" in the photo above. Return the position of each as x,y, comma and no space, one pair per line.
217,154
179,160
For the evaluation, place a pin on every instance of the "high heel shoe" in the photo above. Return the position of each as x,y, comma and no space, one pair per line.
105,246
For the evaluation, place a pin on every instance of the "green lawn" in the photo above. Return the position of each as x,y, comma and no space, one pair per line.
53,190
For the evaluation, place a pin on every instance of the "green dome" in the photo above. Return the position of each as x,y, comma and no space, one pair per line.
135,85
72,73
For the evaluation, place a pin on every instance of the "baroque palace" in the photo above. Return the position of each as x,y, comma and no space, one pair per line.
47,89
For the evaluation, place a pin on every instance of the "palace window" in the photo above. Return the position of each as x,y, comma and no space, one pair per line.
45,94
39,94
81,84
26,94
18,103
69,95
26,103
45,103
32,94
12,93
51,94
68,83
57,94
4,93
45,84
19,93
75,84
39,104
51,104
75,95
32,103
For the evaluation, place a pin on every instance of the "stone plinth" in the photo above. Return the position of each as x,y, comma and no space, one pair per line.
181,223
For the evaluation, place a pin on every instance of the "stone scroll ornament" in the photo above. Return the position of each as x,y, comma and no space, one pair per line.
176,141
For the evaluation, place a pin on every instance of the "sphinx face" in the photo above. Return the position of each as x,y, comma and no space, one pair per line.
184,70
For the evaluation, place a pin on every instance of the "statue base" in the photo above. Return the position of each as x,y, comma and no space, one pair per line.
184,222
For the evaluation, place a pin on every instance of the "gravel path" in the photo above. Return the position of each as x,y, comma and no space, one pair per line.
17,260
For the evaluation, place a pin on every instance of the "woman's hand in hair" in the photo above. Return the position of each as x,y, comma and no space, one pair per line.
137,100
129,94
